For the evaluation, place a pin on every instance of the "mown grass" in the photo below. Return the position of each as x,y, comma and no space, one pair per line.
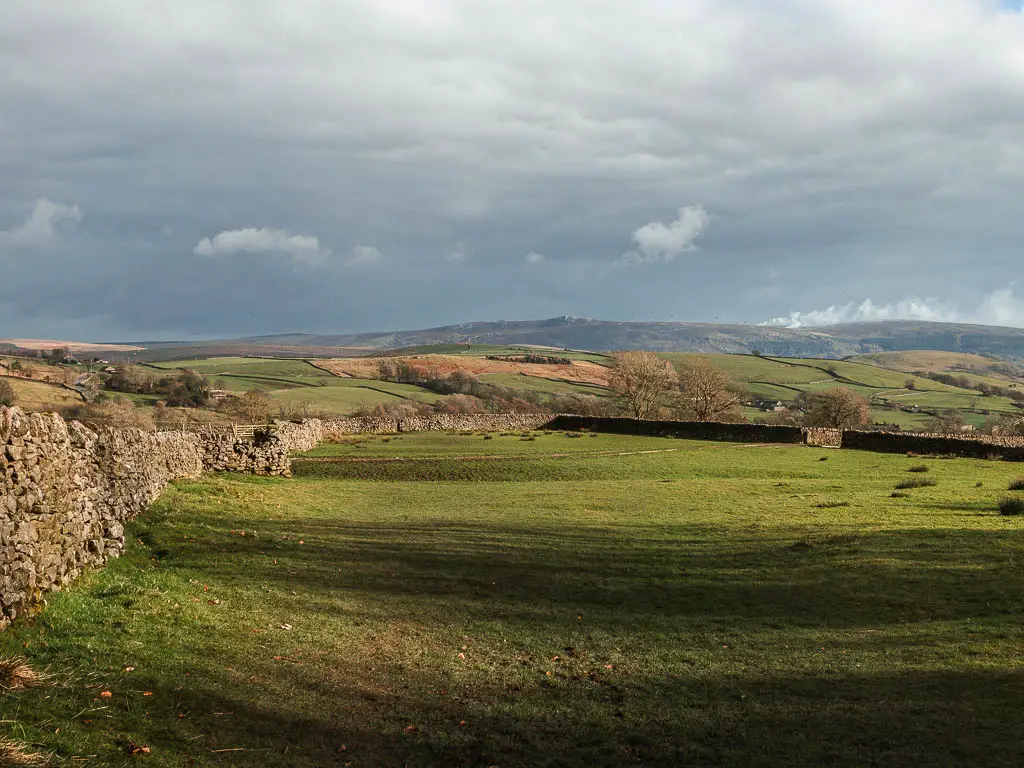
710,606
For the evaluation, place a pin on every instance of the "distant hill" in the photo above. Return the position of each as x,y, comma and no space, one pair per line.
837,341
602,335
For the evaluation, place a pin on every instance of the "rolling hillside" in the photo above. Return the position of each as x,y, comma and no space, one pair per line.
836,341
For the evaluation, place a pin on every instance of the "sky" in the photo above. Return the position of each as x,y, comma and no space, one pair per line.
197,169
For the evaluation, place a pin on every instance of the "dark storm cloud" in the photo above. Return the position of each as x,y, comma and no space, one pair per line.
361,165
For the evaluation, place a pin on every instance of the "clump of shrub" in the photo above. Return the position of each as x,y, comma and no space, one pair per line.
488,437
1016,484
899,495
918,468
1011,506
916,482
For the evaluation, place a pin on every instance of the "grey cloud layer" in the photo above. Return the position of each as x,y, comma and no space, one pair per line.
844,149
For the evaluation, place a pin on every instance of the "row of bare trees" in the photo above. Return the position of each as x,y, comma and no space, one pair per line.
698,390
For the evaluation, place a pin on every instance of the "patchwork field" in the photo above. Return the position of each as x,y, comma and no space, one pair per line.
554,601
784,379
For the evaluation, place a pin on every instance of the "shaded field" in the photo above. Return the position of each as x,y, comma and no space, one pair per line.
720,605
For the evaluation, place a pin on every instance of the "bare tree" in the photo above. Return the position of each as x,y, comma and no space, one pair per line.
643,380
254,407
836,407
708,394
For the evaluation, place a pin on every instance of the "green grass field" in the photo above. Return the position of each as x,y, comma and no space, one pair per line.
706,605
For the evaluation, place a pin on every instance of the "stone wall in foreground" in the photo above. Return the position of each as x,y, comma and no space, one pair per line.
66,492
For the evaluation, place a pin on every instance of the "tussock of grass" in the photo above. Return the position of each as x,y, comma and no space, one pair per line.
1016,484
899,495
919,468
16,674
1011,506
13,754
831,504
916,482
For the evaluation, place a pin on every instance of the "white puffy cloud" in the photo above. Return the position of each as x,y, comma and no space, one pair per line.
363,254
1001,307
658,241
40,227
535,258
301,248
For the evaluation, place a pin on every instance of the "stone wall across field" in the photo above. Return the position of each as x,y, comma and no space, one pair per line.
66,492
977,446
687,430
477,422
309,433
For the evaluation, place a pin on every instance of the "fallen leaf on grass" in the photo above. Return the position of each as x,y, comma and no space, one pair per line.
105,694
287,626
137,749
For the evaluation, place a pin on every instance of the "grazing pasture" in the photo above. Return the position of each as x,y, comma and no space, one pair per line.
547,600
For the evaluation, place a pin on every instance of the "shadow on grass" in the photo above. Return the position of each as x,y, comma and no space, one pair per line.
661,597
846,719
622,577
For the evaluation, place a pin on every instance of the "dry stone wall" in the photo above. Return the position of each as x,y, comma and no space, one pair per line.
1006,447
224,453
66,492
479,422
823,437
687,430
